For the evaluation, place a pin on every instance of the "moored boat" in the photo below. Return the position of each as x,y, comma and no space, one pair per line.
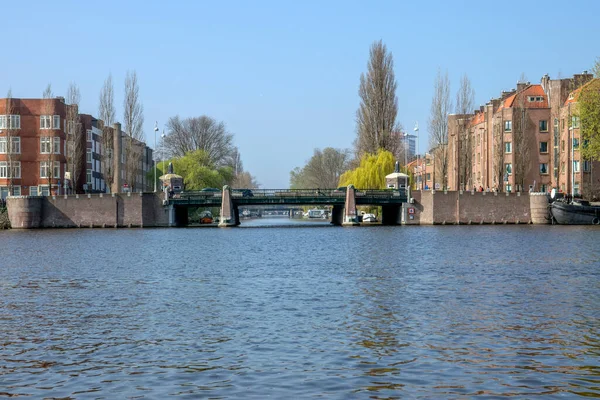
565,211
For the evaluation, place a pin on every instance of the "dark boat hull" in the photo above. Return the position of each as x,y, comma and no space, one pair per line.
574,214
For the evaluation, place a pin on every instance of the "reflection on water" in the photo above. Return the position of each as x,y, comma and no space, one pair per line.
374,312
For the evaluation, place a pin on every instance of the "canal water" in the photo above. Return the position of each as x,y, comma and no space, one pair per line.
301,311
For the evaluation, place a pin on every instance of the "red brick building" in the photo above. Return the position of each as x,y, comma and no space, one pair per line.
39,158
32,146
520,141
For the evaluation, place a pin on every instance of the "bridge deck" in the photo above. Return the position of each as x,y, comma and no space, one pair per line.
246,197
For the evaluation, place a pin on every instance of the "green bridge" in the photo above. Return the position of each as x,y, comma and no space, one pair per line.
342,200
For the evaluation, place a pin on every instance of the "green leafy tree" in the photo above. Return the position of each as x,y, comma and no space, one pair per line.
589,114
199,172
371,172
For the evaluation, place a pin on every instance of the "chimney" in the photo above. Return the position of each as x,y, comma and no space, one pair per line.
545,82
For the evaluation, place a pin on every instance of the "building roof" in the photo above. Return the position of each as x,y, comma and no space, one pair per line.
531,91
574,95
477,119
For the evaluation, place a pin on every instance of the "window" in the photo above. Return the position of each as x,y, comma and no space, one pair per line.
45,121
543,147
16,169
89,135
16,145
587,166
88,176
56,146
45,145
45,191
508,147
562,145
428,177
544,168
508,168
507,126
3,169
2,145
33,190
531,99
575,165
428,161
574,122
575,143
56,122
544,188
543,126
89,156
562,167
57,169
576,188
508,188
562,123
10,122
44,169
16,190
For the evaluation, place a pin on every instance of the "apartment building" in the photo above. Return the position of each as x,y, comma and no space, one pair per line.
520,140
32,146
41,156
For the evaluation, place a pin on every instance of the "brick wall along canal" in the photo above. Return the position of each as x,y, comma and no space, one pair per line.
293,313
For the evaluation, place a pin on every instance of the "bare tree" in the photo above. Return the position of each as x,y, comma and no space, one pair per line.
106,112
10,136
133,116
521,146
244,180
323,170
596,68
48,124
464,106
498,159
376,116
438,125
75,139
199,133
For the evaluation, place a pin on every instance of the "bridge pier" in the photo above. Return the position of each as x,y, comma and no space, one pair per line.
230,215
391,215
350,214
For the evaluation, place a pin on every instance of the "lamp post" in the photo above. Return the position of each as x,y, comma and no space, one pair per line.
154,162
416,129
163,151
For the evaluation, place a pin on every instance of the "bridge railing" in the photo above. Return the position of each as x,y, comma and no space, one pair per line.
295,193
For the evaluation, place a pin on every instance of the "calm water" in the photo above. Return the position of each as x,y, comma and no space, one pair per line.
312,311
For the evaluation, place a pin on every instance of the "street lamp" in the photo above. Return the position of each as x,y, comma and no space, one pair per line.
163,151
416,129
154,162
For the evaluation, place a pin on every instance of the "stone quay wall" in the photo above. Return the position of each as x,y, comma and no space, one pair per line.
89,211
465,207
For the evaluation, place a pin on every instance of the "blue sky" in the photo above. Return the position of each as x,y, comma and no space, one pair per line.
284,75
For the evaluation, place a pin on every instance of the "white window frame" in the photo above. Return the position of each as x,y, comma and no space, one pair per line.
587,166
507,147
44,190
575,165
44,167
541,151
45,121
546,166
15,145
508,168
88,156
3,169
34,189
56,144
56,122
56,169
16,190
10,121
88,177
508,188
3,147
89,135
508,126
3,119
16,169
45,144
545,121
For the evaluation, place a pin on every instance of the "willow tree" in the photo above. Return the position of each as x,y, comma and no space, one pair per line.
376,115
371,172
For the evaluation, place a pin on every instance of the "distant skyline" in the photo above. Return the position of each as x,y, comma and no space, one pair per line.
284,76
